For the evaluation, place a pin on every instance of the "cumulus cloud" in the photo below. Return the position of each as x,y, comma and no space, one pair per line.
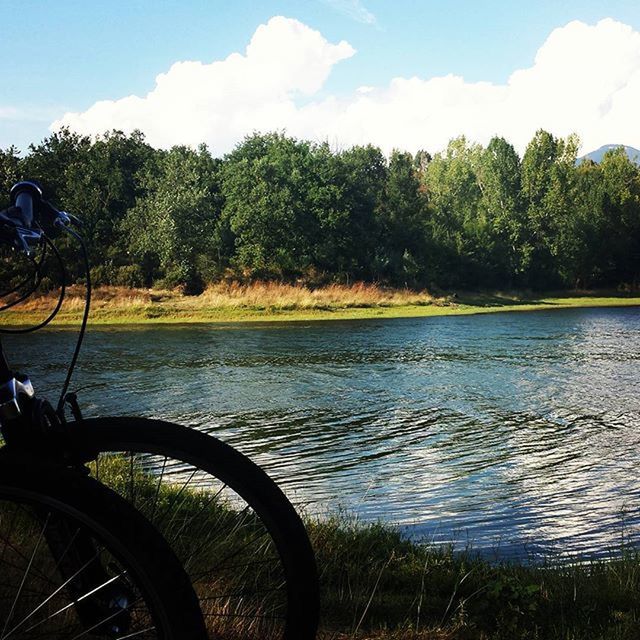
218,103
584,79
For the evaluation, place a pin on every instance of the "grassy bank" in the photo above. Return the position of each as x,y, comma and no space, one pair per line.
376,584
280,302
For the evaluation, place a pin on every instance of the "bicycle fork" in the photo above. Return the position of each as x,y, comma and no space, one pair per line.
101,594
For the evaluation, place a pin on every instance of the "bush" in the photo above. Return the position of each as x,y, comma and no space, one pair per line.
102,274
130,275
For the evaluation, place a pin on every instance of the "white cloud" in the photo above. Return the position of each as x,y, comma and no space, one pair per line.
220,102
585,79
354,9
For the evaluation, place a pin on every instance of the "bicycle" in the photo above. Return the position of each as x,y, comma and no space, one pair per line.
78,560
237,536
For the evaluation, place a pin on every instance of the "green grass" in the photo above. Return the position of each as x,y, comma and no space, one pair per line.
269,302
377,584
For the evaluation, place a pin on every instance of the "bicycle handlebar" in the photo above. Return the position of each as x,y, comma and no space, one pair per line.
24,195
29,215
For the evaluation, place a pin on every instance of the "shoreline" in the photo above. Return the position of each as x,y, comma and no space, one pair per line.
159,314
178,309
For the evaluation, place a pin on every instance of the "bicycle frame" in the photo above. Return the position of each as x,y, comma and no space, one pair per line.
75,553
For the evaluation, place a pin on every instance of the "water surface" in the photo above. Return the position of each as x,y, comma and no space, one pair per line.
516,433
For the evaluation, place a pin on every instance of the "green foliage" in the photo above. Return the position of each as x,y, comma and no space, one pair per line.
271,185
454,197
175,220
280,208
403,219
9,171
501,211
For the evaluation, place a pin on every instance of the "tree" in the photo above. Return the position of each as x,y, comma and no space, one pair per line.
174,224
9,171
548,173
500,208
584,234
621,183
51,162
270,184
454,195
103,187
402,216
361,176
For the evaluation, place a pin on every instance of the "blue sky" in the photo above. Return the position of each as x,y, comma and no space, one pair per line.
63,57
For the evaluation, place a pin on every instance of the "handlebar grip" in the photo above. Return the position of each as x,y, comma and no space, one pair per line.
26,196
24,202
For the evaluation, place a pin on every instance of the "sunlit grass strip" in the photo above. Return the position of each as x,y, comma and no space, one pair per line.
268,301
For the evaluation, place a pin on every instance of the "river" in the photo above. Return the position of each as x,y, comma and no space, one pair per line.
515,434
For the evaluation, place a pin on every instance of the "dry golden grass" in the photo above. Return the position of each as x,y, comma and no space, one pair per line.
102,296
265,295
257,295
272,301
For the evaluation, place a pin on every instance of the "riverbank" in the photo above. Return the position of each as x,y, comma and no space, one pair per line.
376,585
269,302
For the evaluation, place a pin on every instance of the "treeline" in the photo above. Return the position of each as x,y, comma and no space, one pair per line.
280,208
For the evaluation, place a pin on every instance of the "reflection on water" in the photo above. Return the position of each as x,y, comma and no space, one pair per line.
515,433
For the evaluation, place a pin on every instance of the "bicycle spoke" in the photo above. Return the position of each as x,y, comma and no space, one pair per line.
196,515
66,551
99,624
199,577
58,590
175,498
11,546
73,604
24,578
135,633
159,483
207,543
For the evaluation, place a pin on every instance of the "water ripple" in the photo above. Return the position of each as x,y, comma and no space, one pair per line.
512,433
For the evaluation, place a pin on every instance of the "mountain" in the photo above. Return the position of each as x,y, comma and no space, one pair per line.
596,156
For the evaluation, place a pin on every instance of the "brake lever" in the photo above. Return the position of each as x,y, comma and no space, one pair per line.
51,220
65,219
75,221
50,217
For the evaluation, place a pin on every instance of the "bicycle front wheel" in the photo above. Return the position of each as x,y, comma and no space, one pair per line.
239,539
77,561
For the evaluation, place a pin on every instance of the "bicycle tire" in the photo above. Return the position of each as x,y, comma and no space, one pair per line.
37,498
236,600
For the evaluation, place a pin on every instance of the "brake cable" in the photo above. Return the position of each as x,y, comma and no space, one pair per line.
64,396
83,326
54,313
34,273
37,275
